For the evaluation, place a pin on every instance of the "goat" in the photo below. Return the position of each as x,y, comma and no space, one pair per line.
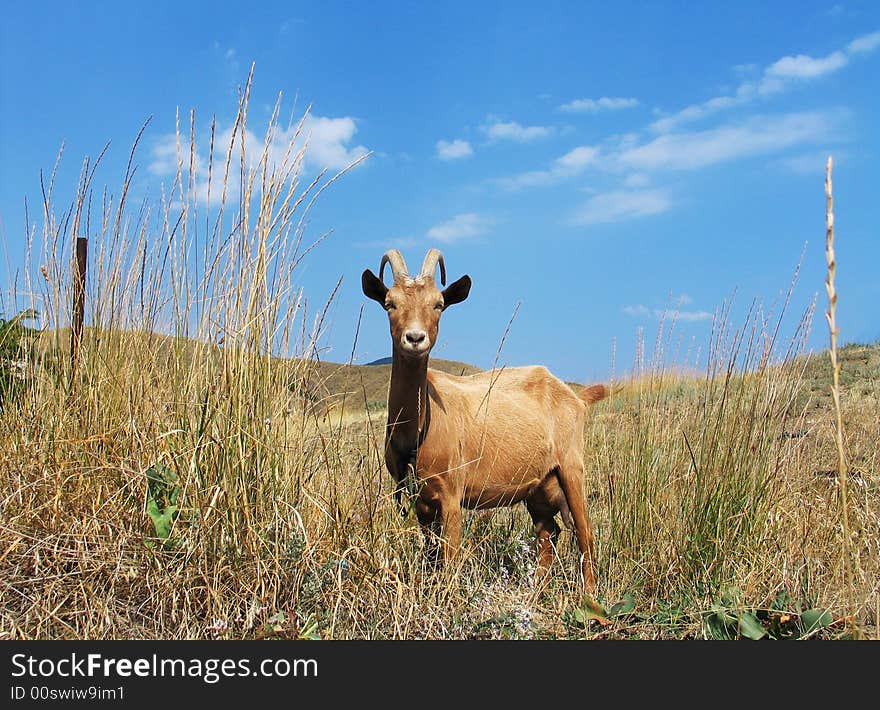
486,440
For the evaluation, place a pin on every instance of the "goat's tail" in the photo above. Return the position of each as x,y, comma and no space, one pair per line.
593,394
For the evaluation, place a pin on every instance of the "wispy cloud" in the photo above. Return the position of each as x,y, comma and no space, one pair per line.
513,131
620,205
754,136
625,166
684,151
641,311
691,316
454,149
463,226
571,164
745,92
803,66
864,44
775,78
605,103
577,159
165,154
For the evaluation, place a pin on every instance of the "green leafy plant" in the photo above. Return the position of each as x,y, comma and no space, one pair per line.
729,618
163,492
787,618
593,610
281,626
309,630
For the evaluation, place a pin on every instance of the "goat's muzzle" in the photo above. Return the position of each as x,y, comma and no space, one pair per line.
415,342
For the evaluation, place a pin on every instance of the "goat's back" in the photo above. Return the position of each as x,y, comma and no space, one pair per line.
510,389
503,425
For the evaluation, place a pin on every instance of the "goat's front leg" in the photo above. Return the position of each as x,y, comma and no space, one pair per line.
441,524
450,530
429,520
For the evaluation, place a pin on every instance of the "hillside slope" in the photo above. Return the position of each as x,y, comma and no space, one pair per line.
369,383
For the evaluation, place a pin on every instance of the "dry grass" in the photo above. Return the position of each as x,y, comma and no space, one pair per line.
185,484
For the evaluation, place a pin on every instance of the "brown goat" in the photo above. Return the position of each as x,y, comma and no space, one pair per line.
482,441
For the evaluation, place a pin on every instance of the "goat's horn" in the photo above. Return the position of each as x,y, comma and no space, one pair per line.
398,265
429,266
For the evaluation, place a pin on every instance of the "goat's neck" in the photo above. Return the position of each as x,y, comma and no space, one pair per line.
407,401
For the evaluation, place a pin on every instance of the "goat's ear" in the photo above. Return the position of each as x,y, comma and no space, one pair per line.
456,292
373,287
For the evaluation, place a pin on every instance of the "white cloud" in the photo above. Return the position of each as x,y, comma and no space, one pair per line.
775,78
531,178
325,141
595,105
569,165
225,143
164,156
577,159
757,135
641,311
691,316
453,150
462,226
864,44
688,150
744,93
805,67
328,140
513,131
621,205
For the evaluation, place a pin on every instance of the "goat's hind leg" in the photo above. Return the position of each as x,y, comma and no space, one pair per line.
542,505
571,479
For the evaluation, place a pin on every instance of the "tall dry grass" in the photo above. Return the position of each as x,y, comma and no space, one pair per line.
181,485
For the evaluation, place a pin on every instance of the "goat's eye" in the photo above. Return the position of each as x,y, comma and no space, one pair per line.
438,306
390,306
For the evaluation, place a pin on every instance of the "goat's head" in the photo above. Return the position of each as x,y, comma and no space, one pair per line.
414,304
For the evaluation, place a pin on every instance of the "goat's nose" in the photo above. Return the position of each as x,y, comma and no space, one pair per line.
414,337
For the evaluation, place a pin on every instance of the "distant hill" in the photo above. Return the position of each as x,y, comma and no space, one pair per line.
381,361
860,372
361,384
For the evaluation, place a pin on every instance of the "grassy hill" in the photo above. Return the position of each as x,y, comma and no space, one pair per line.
859,375
359,384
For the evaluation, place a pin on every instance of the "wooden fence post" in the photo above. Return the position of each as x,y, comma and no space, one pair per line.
79,301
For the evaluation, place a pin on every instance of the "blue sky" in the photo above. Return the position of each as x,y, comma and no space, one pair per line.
588,164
